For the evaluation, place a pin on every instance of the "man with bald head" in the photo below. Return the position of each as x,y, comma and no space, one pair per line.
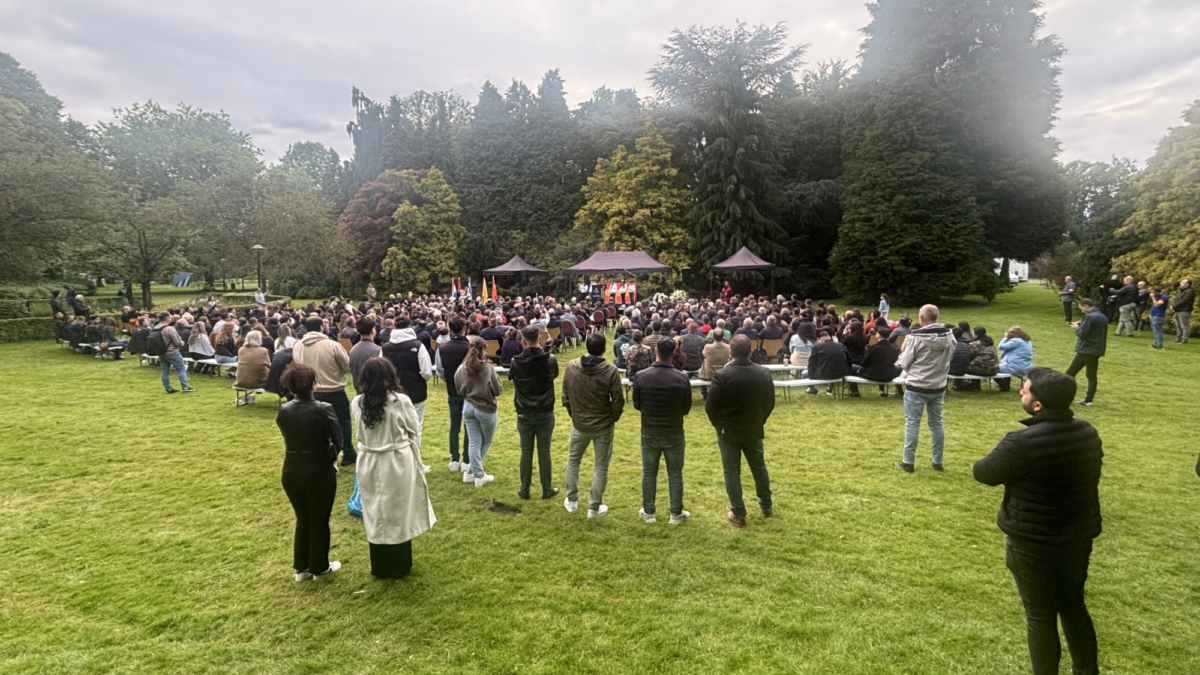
1126,301
925,360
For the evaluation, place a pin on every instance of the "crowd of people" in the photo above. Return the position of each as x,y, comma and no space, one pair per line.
1128,304
398,344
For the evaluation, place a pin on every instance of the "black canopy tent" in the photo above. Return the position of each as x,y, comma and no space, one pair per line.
745,261
618,262
514,266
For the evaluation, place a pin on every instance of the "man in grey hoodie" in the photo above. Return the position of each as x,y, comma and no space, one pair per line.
591,393
925,360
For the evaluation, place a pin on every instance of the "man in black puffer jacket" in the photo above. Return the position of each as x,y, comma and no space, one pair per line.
1051,513
533,372
663,395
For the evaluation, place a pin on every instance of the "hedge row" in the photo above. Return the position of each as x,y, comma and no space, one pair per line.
19,330
23,309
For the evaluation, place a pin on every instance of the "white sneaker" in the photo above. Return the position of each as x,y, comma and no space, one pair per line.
487,478
648,517
466,466
303,576
427,468
569,505
454,466
680,519
333,567
596,513
468,477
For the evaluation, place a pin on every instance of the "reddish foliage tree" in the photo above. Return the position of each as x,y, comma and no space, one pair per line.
366,225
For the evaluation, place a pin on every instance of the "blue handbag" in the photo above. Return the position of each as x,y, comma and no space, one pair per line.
354,506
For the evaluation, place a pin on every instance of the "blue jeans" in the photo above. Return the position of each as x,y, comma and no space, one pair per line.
671,449
1156,325
341,406
175,361
481,428
914,404
731,461
456,425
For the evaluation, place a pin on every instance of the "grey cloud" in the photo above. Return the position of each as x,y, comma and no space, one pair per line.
283,70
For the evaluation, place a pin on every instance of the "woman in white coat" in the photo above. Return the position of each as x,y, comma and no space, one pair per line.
391,477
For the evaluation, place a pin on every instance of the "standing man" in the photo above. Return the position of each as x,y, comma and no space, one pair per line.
1183,311
533,372
260,299
449,357
925,361
411,359
171,358
740,400
1143,301
591,393
664,397
1092,334
331,363
365,350
1051,513
1126,301
56,306
1067,296
371,293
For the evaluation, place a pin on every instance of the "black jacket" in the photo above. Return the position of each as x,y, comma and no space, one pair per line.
281,360
1185,300
879,363
692,346
1051,472
533,372
828,360
451,354
664,396
1092,333
312,436
1126,295
137,341
740,399
962,357
56,307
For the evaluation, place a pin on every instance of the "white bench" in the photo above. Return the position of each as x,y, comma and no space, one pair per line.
978,378
788,385
693,383
244,396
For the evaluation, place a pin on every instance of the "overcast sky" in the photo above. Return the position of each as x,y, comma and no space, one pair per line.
283,70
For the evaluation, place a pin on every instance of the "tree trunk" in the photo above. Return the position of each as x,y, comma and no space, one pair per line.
146,299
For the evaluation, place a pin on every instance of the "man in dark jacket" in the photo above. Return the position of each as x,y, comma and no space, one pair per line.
692,346
828,360
739,402
1126,301
664,396
1182,307
879,363
533,372
56,306
1051,513
1092,333
449,357
591,393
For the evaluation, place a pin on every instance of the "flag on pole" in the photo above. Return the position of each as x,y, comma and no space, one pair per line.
470,290
454,289
607,295
495,293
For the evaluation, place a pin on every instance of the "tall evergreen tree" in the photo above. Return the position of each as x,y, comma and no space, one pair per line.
426,233
721,76
999,78
911,225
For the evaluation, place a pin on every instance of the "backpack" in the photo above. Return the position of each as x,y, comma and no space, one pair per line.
759,356
638,357
156,344
983,360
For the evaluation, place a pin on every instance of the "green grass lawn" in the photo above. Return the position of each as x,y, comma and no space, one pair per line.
145,533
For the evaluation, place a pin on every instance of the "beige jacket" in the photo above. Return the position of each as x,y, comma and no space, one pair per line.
391,476
716,355
326,357
253,365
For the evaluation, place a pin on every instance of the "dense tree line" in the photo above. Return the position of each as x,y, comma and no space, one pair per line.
907,173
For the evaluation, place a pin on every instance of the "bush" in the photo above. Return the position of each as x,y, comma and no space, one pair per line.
17,309
29,291
19,330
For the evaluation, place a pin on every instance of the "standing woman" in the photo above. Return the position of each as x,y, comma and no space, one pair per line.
391,476
312,439
884,307
476,381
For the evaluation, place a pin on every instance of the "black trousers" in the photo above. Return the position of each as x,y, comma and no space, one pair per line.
1091,363
456,426
1050,580
311,494
537,427
1067,307
391,561
341,406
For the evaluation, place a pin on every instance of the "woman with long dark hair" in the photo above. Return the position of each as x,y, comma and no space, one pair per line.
391,476
477,383
312,439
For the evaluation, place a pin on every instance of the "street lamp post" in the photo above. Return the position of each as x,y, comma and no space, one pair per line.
224,286
258,249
